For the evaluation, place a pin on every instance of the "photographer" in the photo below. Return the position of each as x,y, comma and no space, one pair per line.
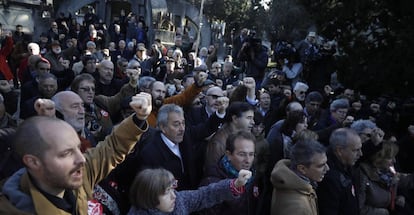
254,58
291,67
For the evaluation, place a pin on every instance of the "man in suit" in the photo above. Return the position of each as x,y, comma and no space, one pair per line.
172,146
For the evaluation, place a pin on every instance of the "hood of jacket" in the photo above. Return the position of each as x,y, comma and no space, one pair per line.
284,178
17,197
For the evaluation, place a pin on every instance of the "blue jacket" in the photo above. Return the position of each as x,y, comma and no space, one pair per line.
194,200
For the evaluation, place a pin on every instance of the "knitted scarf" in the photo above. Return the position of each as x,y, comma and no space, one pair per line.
230,170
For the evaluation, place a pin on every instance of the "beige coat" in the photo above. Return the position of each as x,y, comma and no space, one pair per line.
291,194
99,163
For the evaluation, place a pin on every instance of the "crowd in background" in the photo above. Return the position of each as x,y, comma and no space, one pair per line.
312,145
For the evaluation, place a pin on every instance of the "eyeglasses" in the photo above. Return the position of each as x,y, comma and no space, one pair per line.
215,96
87,89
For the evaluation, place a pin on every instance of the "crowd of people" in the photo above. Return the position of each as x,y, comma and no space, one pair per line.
100,121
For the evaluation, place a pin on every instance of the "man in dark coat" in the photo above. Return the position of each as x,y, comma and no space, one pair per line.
172,147
240,153
337,193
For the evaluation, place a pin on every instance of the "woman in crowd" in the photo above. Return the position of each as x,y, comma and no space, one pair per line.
379,182
153,192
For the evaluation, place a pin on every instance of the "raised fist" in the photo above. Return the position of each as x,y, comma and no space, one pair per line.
222,103
249,82
141,103
45,107
244,176
200,78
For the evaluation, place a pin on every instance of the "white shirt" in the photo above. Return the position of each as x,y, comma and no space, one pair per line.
172,146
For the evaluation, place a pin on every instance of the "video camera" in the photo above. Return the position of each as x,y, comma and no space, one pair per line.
252,41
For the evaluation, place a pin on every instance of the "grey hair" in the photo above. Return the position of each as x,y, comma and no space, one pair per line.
314,96
134,63
165,110
303,151
121,60
339,104
1,99
362,124
145,81
57,100
340,137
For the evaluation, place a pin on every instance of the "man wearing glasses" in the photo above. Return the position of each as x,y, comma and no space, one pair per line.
335,117
300,90
201,114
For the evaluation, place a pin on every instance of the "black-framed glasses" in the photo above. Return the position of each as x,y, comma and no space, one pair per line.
214,96
302,92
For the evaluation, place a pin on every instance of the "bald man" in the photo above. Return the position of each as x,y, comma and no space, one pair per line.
106,84
58,178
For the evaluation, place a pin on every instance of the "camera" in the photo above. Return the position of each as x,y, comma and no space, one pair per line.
252,42
94,125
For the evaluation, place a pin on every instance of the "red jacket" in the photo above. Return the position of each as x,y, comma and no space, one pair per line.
5,51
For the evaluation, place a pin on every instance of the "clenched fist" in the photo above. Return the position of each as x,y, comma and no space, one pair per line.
45,107
222,103
244,176
200,78
141,103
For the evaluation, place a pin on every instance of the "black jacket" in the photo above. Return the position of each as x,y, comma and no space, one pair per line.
337,193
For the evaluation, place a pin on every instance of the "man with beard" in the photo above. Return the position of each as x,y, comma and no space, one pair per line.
201,114
58,178
53,57
183,99
70,108
106,84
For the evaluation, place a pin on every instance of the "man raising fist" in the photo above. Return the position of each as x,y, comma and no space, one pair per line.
58,178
